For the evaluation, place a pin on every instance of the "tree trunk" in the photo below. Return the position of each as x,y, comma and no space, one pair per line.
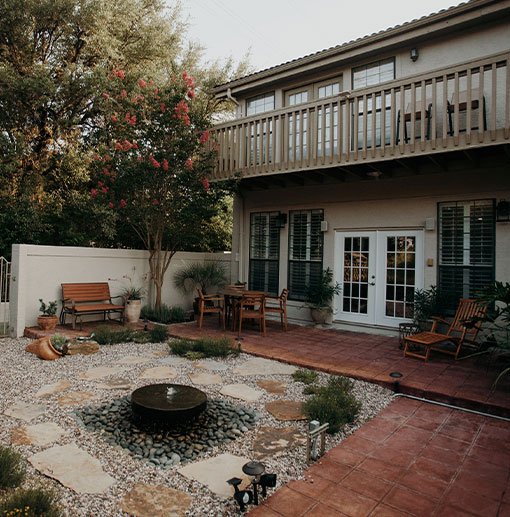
159,260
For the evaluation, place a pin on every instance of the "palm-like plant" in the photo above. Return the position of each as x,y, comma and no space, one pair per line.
205,276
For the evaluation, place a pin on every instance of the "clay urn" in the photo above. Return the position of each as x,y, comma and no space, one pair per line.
43,349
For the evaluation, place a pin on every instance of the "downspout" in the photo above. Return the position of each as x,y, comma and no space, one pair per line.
451,406
229,97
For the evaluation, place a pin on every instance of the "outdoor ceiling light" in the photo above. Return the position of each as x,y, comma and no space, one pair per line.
374,174
413,54
503,211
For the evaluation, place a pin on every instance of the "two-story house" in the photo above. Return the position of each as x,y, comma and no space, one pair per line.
386,158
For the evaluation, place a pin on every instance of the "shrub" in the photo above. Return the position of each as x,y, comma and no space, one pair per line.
333,403
12,470
305,376
205,276
158,334
208,347
32,502
164,314
108,336
59,343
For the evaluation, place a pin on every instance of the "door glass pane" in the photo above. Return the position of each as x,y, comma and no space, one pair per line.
400,275
355,274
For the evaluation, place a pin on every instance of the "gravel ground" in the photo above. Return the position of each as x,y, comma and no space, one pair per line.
23,374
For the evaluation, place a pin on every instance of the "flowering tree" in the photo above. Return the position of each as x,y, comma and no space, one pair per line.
152,165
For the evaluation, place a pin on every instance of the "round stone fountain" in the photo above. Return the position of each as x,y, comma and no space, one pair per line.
169,404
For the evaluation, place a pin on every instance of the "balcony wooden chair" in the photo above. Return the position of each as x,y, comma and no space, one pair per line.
210,304
278,305
417,115
462,329
462,104
251,307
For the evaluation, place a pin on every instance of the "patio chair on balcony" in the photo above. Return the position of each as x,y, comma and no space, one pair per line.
210,304
462,329
417,117
462,105
251,307
278,305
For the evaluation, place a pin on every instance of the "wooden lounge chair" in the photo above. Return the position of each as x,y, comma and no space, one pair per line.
210,304
462,329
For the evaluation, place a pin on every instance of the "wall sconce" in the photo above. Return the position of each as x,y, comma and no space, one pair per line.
281,220
503,211
414,54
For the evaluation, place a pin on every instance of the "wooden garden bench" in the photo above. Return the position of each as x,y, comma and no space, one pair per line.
80,299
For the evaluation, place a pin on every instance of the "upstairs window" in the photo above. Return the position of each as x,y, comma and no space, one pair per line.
328,90
466,248
373,73
260,104
297,98
305,251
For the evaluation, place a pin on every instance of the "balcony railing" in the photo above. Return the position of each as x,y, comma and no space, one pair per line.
455,108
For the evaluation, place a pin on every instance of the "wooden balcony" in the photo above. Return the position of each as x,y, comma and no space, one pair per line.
458,108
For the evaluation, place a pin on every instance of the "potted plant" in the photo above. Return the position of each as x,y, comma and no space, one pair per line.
133,301
205,276
320,296
427,303
47,319
48,348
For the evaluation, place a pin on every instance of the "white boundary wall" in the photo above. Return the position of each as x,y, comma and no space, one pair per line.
38,271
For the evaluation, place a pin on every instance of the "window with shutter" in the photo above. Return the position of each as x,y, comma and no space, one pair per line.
264,252
466,248
305,251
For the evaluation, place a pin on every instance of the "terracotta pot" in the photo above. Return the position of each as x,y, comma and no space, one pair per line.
320,316
47,322
43,349
133,309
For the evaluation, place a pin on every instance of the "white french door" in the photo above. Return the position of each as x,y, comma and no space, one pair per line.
378,272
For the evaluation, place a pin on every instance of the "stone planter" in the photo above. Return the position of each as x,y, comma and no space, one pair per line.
47,322
133,310
43,349
319,316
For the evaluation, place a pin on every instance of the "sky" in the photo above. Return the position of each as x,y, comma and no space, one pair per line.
275,31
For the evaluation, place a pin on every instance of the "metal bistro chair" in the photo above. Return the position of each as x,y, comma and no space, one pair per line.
278,305
252,307
210,304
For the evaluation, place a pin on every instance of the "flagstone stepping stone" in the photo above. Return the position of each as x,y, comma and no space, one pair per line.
271,442
50,389
214,472
286,410
159,353
155,501
75,398
205,378
260,366
159,372
133,359
72,467
25,411
241,391
173,360
210,364
83,348
38,434
119,383
275,387
101,371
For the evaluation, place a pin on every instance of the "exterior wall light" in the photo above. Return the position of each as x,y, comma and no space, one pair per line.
281,220
503,211
414,54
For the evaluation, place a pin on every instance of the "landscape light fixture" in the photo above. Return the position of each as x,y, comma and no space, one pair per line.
413,54
242,497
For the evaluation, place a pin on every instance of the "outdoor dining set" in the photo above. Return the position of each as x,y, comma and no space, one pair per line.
236,304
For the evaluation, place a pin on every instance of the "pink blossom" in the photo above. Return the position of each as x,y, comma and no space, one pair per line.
155,202
105,95
123,203
165,164
119,73
154,162
106,172
189,164
118,146
163,107
134,145
188,80
123,94
100,184
110,205
96,157
104,190
107,158
142,83
126,145
191,94
204,137
205,184
114,118
186,120
132,121
181,108
93,192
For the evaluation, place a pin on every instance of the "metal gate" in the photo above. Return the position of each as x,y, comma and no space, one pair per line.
5,280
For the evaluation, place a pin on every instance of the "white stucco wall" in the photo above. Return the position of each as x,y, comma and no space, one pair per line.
38,271
388,204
